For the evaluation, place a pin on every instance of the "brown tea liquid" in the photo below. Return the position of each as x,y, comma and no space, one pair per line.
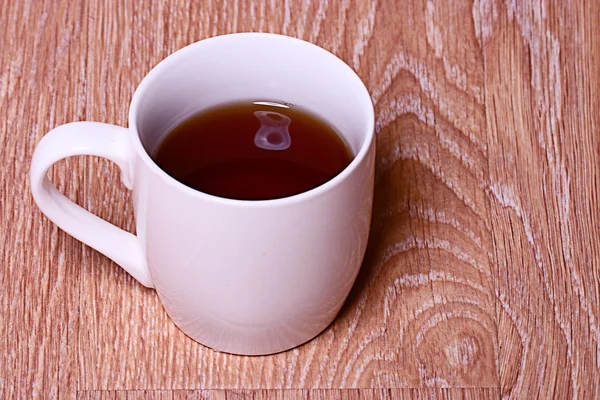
252,151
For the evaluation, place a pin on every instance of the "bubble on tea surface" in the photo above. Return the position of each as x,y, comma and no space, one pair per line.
273,133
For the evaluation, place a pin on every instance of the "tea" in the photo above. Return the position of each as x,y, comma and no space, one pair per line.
253,151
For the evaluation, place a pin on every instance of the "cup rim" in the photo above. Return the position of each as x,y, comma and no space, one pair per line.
283,201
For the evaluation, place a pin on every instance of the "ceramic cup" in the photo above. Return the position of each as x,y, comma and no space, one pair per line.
244,277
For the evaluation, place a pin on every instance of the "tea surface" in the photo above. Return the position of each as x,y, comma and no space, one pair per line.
253,151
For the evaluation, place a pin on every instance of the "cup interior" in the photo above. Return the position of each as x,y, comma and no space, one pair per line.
254,67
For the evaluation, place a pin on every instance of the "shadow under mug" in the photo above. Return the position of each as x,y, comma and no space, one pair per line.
244,277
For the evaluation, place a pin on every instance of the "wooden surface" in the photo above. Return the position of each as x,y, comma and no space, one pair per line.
482,278
285,394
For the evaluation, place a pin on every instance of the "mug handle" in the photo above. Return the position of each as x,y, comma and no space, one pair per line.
97,139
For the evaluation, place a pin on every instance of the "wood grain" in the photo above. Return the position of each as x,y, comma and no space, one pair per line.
314,394
482,277
542,86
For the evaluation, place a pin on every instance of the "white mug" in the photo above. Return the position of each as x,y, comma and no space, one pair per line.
244,277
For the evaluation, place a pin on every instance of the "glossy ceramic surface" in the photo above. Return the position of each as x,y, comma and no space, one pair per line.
245,277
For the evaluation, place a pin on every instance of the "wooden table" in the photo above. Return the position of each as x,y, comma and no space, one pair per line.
482,278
